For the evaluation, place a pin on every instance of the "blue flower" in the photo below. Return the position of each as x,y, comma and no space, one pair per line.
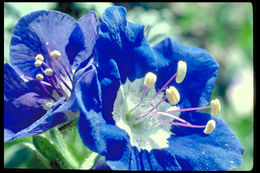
141,110
46,51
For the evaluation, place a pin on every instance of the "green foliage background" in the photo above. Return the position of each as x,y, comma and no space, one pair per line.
223,29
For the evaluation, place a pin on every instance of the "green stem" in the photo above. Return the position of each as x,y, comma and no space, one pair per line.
90,162
51,152
57,139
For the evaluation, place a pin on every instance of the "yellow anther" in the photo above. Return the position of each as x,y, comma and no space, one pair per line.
39,57
38,63
48,71
210,127
215,107
181,71
173,95
39,77
150,79
173,108
55,54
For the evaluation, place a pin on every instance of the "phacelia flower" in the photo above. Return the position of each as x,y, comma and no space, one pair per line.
46,49
141,110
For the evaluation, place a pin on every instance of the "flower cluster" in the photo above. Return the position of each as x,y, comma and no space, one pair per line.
139,105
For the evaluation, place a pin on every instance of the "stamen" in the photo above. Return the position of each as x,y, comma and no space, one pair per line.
55,55
189,109
141,99
179,124
30,78
51,81
39,77
210,127
62,81
48,71
39,57
150,79
173,95
38,63
65,70
181,71
164,86
215,107
172,116
56,75
45,90
156,106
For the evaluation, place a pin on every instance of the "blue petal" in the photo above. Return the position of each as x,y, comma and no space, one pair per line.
14,86
219,150
31,34
155,160
23,111
46,122
8,134
89,25
124,42
95,133
163,160
197,86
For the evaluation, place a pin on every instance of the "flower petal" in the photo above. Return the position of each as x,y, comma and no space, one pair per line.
31,34
197,86
88,24
219,150
46,122
23,111
15,86
124,42
95,133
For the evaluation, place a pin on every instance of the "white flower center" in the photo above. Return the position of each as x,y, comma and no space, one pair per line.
143,134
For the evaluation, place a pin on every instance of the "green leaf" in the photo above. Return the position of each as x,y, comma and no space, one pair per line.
51,153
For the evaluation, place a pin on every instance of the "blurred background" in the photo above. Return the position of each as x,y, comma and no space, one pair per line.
223,29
